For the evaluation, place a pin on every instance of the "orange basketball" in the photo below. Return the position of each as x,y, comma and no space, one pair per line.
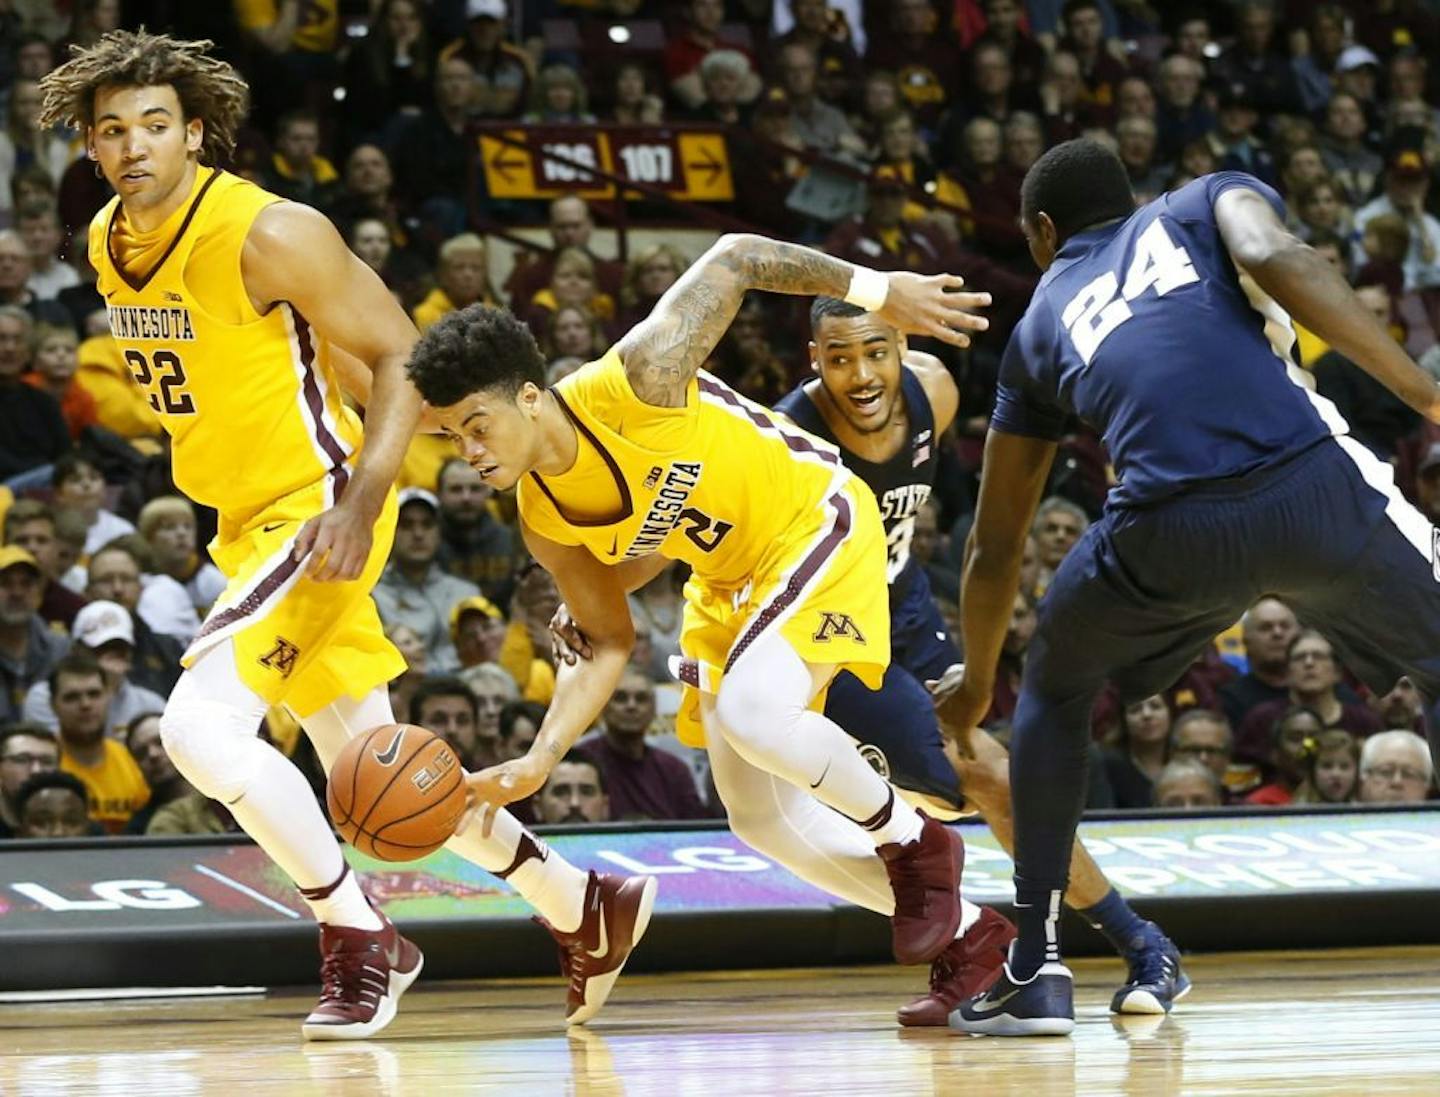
396,792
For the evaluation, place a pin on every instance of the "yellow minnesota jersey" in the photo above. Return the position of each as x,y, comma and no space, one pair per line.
250,401
778,533
259,433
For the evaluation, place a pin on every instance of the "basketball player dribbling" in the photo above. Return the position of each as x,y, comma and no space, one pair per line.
238,313
641,457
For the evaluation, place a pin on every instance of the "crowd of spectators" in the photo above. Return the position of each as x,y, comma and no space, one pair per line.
894,134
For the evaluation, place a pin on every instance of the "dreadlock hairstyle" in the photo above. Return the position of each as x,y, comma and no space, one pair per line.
208,88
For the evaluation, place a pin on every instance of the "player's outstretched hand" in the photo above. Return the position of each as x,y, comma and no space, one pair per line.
960,701
503,784
337,544
567,642
934,305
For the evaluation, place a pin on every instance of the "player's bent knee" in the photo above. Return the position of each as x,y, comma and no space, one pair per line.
750,717
213,745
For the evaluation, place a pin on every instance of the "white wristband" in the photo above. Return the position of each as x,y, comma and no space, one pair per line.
868,289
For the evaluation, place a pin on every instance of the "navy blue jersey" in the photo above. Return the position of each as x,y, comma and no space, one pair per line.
901,484
1144,330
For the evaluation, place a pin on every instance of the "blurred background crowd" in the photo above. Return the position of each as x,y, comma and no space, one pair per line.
894,133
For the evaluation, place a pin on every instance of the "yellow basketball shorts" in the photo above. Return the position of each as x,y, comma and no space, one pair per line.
823,589
298,642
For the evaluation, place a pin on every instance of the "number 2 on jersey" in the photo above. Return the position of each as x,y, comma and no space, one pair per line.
1096,311
163,382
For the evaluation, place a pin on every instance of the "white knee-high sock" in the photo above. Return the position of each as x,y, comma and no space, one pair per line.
278,809
548,882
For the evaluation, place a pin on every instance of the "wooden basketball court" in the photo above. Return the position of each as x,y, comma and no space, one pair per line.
1341,1022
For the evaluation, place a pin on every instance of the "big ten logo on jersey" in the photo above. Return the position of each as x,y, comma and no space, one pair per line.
835,626
898,508
1096,311
281,657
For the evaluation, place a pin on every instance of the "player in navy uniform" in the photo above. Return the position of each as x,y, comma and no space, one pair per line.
886,408
1167,329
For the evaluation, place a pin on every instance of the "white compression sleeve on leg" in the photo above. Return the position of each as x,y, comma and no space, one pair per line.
337,723
210,730
762,707
788,824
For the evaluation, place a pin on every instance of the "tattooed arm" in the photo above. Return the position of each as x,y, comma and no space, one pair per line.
662,352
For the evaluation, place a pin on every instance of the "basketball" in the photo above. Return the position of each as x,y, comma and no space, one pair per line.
396,792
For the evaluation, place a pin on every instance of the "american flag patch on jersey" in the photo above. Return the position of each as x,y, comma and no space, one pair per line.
922,449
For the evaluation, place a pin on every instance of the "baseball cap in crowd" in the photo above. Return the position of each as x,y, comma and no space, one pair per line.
418,495
14,556
101,622
1354,57
1407,163
476,604
484,9
1431,460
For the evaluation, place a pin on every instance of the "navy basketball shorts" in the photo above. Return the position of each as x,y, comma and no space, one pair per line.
895,725
1326,531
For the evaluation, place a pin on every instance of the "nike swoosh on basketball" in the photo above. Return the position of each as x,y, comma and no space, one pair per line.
388,757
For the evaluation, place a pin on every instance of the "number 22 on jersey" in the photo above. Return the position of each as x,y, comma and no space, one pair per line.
162,378
1096,310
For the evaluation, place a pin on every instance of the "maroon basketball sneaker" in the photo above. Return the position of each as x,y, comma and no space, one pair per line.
362,975
616,914
963,969
925,876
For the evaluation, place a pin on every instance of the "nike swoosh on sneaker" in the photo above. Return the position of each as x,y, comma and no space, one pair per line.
387,757
604,947
992,1005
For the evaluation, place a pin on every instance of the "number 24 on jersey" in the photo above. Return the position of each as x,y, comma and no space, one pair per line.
1103,305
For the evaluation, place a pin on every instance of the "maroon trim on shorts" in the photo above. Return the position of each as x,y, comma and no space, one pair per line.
263,591
797,443
802,575
690,672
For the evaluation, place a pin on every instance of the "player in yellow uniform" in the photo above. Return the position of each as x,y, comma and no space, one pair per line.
237,313
642,457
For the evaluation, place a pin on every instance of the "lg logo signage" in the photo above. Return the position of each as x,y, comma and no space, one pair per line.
113,895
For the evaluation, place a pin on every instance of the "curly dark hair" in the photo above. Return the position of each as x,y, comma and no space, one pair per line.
208,88
475,348
39,782
1078,184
